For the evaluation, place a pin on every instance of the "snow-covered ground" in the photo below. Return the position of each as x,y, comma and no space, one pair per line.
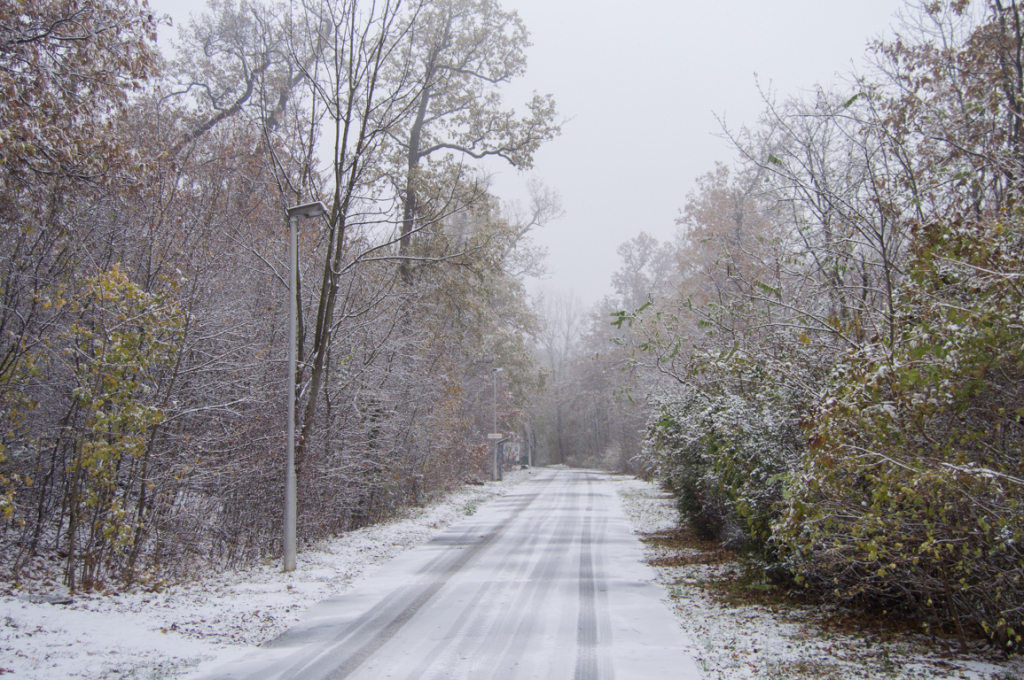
746,642
185,629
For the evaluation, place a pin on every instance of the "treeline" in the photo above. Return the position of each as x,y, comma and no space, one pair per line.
835,351
581,415
144,269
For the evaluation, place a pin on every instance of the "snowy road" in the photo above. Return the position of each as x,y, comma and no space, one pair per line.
545,582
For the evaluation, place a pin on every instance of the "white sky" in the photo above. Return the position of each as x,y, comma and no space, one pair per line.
641,84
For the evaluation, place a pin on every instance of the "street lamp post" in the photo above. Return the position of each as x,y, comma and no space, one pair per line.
495,472
294,213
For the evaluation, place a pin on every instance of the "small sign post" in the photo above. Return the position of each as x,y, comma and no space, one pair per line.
495,437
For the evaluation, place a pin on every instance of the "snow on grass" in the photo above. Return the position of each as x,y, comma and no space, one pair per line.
741,642
194,626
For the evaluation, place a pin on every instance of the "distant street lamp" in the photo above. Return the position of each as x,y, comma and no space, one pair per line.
495,472
315,209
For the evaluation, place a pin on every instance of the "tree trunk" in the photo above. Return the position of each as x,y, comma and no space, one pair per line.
409,204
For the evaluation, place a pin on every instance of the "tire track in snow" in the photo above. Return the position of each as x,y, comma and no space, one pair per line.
535,594
480,625
375,628
520,592
590,664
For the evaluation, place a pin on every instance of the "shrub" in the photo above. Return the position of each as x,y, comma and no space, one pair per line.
911,494
726,458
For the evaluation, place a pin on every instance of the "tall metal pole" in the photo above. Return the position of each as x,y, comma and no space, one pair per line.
308,210
529,444
495,473
289,475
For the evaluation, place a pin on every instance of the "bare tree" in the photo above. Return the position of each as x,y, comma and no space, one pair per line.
458,53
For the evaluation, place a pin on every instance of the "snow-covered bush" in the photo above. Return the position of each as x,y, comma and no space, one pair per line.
912,494
726,458
862,274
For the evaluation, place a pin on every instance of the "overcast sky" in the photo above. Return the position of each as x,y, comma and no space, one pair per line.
641,83
642,86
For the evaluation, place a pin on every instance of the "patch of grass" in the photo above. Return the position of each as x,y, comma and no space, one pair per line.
165,669
740,585
800,668
730,580
1008,675
683,560
683,547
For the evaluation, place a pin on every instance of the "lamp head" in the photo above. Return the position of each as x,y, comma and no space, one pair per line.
314,209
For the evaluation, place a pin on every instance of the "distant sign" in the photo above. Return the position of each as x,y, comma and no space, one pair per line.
512,450
495,435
